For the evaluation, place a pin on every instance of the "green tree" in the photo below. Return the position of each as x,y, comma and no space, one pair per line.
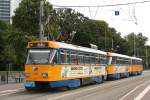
69,21
14,51
136,43
26,17
4,29
96,32
12,46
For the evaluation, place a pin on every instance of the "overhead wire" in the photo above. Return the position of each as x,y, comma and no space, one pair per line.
96,11
109,5
90,12
133,17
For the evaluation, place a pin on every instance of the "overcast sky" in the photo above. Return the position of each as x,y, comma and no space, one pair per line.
124,23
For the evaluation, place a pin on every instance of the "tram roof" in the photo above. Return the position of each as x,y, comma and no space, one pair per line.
80,48
136,58
53,44
118,55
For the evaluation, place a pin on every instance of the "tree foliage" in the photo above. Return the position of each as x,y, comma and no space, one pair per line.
59,24
13,46
27,15
136,43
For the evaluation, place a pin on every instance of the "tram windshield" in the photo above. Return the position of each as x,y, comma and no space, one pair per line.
40,56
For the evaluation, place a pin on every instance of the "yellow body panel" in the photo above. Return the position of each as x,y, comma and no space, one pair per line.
137,68
56,72
53,72
110,69
130,68
113,69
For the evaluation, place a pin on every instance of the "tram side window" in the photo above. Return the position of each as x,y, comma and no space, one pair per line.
139,62
114,60
92,59
73,57
80,58
123,61
103,59
97,59
87,59
126,61
118,60
134,62
64,56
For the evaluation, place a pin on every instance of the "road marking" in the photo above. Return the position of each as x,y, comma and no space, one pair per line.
141,95
133,90
6,92
92,88
82,98
77,92
10,90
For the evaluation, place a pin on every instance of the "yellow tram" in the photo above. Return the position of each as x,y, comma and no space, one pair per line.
57,64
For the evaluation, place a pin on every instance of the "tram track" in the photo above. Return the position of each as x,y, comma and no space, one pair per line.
80,93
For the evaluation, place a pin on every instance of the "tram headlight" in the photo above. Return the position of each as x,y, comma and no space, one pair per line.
44,75
26,74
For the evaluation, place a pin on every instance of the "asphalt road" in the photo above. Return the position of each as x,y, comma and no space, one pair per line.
132,88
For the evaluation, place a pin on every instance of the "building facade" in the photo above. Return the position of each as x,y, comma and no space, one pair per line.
7,8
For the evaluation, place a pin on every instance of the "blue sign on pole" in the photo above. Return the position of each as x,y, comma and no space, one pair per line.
117,12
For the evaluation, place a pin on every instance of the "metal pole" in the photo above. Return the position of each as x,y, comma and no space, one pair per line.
134,46
146,58
105,38
41,19
112,43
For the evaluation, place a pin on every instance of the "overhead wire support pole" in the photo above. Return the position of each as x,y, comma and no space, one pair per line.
146,58
41,19
134,47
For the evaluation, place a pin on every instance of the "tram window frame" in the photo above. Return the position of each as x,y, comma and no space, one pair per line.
67,54
134,62
80,57
73,60
56,58
118,60
114,60
139,62
127,61
93,59
103,59
122,62
86,55
97,59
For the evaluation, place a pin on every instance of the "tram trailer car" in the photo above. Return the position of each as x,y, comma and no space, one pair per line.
120,66
55,64
137,66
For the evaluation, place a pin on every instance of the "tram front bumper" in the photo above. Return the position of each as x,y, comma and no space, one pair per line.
29,84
